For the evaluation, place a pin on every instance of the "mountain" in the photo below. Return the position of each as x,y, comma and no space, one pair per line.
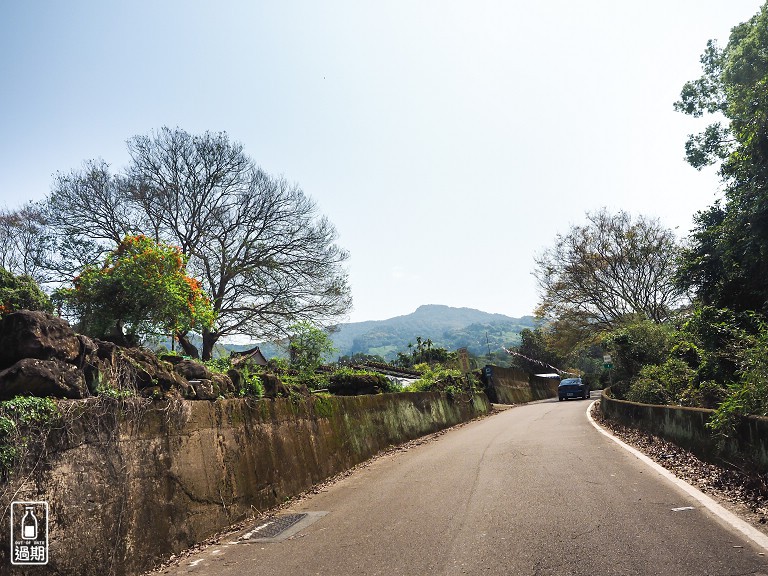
447,327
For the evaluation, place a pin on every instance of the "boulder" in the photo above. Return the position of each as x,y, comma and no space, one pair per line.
192,370
28,334
135,366
237,378
106,350
275,388
34,377
195,372
171,358
205,389
149,370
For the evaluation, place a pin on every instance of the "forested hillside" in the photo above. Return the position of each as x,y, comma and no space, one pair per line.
447,327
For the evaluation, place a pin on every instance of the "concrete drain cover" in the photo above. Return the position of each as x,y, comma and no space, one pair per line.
278,528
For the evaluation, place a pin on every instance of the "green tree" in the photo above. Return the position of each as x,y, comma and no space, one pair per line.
636,344
309,344
424,352
141,289
536,353
21,293
726,263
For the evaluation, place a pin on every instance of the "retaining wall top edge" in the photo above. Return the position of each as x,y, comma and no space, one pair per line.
665,406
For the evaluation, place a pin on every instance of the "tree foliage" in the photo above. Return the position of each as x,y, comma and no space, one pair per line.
612,267
536,345
21,293
309,344
256,242
141,289
726,263
423,352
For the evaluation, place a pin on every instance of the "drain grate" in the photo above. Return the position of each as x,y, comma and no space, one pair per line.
279,528
273,527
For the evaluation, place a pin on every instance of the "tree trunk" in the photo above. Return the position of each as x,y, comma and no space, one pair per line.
209,341
189,348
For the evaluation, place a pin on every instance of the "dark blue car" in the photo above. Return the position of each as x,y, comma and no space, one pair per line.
572,388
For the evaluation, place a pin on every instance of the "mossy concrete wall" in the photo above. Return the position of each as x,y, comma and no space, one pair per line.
129,484
511,386
687,427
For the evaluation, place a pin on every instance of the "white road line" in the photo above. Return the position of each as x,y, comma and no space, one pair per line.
248,535
726,516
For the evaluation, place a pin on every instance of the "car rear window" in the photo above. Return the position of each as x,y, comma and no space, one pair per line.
571,382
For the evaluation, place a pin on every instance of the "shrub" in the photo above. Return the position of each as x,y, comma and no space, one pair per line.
24,425
438,378
647,391
350,382
662,384
21,293
251,384
636,345
749,395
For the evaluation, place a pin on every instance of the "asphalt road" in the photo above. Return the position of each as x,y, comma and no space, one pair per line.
533,490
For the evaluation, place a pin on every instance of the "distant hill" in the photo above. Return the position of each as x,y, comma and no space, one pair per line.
447,327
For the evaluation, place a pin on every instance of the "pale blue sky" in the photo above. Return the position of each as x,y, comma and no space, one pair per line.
449,142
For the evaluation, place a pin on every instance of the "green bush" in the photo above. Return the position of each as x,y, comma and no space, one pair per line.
749,395
638,344
219,365
350,382
647,391
251,384
21,293
662,384
438,378
707,394
24,423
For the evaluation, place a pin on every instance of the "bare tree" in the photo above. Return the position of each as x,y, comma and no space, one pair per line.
25,243
257,243
272,262
88,213
611,267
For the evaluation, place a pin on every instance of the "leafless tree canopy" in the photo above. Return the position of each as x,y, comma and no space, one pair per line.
24,242
258,244
611,267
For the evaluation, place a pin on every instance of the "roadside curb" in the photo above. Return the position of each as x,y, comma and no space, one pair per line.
744,528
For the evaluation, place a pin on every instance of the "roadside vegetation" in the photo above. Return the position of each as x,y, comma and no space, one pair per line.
685,322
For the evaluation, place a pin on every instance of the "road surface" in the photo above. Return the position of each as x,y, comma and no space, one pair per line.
533,490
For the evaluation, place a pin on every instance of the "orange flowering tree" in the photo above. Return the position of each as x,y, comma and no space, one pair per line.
141,289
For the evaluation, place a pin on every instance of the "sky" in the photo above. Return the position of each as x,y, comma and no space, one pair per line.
449,142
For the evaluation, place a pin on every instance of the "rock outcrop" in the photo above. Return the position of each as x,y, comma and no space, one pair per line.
27,334
41,355
35,377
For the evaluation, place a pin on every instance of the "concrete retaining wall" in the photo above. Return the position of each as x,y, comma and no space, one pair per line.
128,484
511,386
686,427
